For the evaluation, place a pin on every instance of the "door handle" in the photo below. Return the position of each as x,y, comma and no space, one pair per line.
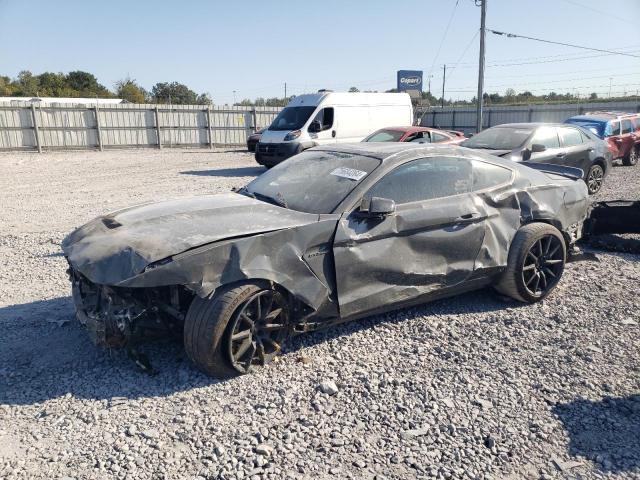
561,154
333,133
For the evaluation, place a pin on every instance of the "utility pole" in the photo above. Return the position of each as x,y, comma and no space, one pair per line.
285,90
483,15
610,80
444,78
429,79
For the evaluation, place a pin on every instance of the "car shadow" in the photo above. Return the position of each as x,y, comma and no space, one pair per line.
605,431
227,172
43,341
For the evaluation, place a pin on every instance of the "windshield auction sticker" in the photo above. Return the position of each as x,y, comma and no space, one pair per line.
350,173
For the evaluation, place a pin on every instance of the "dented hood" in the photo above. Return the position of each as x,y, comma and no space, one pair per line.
118,246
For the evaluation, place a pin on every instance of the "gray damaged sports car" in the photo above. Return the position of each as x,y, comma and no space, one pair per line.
332,234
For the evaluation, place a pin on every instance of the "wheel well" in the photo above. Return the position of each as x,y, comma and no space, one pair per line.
555,224
600,161
294,301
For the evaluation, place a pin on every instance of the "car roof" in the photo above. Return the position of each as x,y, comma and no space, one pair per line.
528,124
604,116
385,150
410,129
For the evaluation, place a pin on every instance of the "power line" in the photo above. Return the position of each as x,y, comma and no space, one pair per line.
444,36
513,35
601,12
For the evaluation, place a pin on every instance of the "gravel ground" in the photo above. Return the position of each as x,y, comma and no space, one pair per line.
469,387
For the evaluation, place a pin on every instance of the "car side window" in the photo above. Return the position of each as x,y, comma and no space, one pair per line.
425,179
438,137
627,126
612,128
487,175
419,137
547,136
570,137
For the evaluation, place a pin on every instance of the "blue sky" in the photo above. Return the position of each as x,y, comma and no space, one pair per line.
253,47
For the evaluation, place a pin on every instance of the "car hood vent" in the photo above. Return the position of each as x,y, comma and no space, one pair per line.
111,223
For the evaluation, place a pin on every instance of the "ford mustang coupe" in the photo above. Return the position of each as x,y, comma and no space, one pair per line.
332,234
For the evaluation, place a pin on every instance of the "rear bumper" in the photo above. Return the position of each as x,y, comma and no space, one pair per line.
270,154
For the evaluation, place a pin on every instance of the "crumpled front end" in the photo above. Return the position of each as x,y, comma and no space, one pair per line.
116,317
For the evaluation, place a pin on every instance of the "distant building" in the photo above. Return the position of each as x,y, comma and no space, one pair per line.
62,100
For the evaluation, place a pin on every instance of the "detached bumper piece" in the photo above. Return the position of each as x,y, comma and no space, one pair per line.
618,216
615,217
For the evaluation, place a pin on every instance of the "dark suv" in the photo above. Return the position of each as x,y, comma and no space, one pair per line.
621,131
551,143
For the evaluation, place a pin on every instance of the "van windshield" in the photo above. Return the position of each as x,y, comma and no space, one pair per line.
292,118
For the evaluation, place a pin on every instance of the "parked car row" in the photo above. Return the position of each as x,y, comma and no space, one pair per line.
589,142
621,131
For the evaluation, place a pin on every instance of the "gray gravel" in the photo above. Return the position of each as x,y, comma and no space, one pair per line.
469,387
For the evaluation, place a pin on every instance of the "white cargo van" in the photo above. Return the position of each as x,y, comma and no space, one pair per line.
330,117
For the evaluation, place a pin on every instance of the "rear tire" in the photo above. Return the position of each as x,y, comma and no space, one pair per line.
235,329
632,157
535,263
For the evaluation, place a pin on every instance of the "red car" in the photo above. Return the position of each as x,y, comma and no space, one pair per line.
416,135
621,131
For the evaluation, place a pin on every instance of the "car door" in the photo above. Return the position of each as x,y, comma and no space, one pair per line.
429,243
577,151
612,136
627,136
326,119
548,137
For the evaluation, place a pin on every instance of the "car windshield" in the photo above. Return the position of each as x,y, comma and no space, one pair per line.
499,138
312,181
292,118
385,136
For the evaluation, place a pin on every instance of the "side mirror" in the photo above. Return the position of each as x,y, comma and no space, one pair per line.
526,155
377,206
315,127
536,147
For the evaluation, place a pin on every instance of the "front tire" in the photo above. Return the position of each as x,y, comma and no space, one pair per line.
535,263
632,157
235,329
595,177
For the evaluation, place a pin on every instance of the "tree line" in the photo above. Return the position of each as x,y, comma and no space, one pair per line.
86,85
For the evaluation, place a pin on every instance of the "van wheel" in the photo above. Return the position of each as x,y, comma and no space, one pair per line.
535,263
632,157
234,330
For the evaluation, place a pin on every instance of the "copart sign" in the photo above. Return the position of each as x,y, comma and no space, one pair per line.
409,80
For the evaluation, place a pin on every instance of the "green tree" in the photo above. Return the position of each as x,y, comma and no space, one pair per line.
204,99
7,87
85,84
52,84
129,90
353,90
174,92
27,84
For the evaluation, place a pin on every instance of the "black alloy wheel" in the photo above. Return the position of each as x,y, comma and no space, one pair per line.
258,329
543,265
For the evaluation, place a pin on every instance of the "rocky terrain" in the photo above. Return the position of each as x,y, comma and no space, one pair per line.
473,387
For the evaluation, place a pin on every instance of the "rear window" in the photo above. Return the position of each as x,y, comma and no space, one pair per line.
570,137
385,136
499,138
